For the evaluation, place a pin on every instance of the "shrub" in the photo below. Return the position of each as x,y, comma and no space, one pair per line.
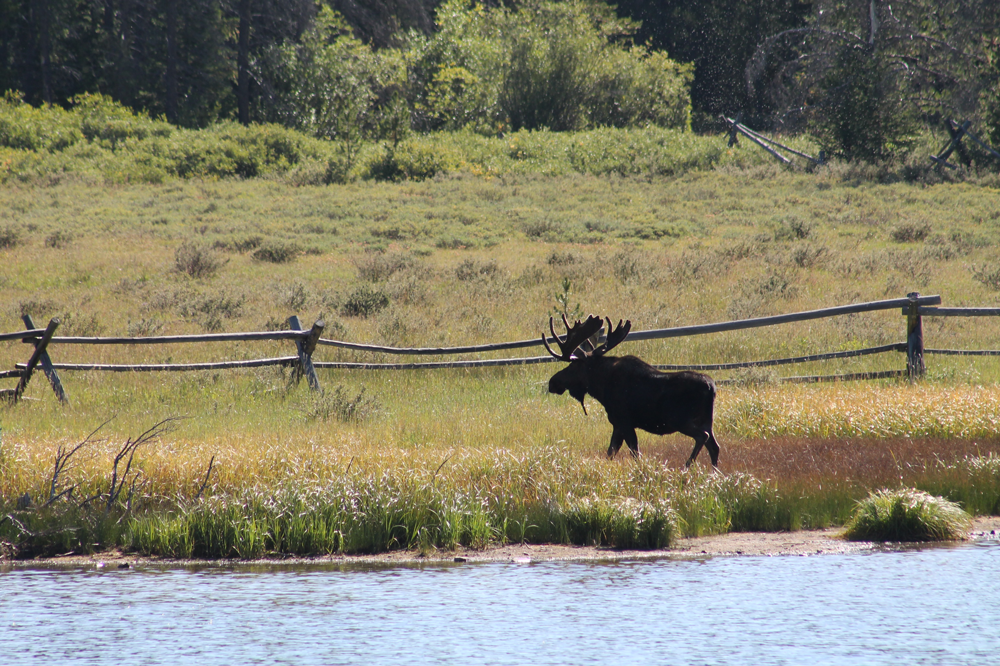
907,515
364,302
9,238
562,66
58,239
416,158
910,232
378,266
471,269
196,260
276,253
793,227
863,117
988,274
240,244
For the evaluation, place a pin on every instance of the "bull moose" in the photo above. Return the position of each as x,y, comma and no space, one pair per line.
634,393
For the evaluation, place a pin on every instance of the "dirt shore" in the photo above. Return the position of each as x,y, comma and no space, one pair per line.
801,543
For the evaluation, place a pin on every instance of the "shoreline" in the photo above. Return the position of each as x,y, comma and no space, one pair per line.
801,543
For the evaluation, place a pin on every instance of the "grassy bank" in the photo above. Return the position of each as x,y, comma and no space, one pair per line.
433,458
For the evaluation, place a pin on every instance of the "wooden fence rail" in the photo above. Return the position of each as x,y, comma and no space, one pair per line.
914,307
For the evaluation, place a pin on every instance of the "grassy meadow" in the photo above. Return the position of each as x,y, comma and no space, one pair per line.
434,458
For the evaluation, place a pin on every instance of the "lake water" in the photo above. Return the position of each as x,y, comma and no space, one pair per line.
938,605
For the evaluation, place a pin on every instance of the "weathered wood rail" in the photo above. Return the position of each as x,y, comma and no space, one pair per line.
306,341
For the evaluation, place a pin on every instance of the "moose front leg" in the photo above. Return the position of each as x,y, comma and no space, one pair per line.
616,442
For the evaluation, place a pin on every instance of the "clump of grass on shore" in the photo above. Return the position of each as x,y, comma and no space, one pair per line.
907,515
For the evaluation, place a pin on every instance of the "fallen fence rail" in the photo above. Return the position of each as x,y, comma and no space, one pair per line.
736,127
914,306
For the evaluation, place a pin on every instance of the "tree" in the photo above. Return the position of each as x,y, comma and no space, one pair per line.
337,87
864,72
718,37
556,65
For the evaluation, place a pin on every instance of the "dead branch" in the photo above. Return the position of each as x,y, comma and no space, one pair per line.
62,464
204,484
127,454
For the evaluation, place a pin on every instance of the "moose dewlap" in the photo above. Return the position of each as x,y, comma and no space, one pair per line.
634,394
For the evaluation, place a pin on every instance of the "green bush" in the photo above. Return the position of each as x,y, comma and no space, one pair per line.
101,137
907,515
562,66
364,301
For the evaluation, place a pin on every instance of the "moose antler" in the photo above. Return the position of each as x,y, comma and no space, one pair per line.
581,339
615,337
576,335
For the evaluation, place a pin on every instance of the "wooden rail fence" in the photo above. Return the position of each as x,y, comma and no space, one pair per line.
914,307
735,129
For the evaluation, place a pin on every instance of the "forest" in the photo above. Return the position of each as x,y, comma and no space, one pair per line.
863,77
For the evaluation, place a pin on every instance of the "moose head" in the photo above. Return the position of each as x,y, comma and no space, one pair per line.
634,394
580,347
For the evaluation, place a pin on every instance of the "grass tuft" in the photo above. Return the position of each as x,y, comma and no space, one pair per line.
907,515
338,403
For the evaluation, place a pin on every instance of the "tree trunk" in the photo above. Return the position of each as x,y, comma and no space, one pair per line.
171,82
243,63
126,79
42,19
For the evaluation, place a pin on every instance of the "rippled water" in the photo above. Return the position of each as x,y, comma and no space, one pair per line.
932,606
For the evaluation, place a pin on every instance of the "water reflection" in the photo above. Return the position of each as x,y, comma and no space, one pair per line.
926,606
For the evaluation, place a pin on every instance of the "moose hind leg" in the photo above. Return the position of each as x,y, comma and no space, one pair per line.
633,442
701,438
713,448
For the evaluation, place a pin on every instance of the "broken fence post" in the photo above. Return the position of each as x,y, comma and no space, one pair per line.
36,356
914,340
733,133
306,346
941,159
46,364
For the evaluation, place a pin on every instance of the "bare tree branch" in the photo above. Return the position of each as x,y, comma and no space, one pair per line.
204,484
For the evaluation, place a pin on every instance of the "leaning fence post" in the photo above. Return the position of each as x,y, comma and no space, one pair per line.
306,346
46,364
914,339
36,356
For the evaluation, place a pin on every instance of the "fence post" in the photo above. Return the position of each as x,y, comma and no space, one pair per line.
36,356
306,346
46,364
955,143
914,340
